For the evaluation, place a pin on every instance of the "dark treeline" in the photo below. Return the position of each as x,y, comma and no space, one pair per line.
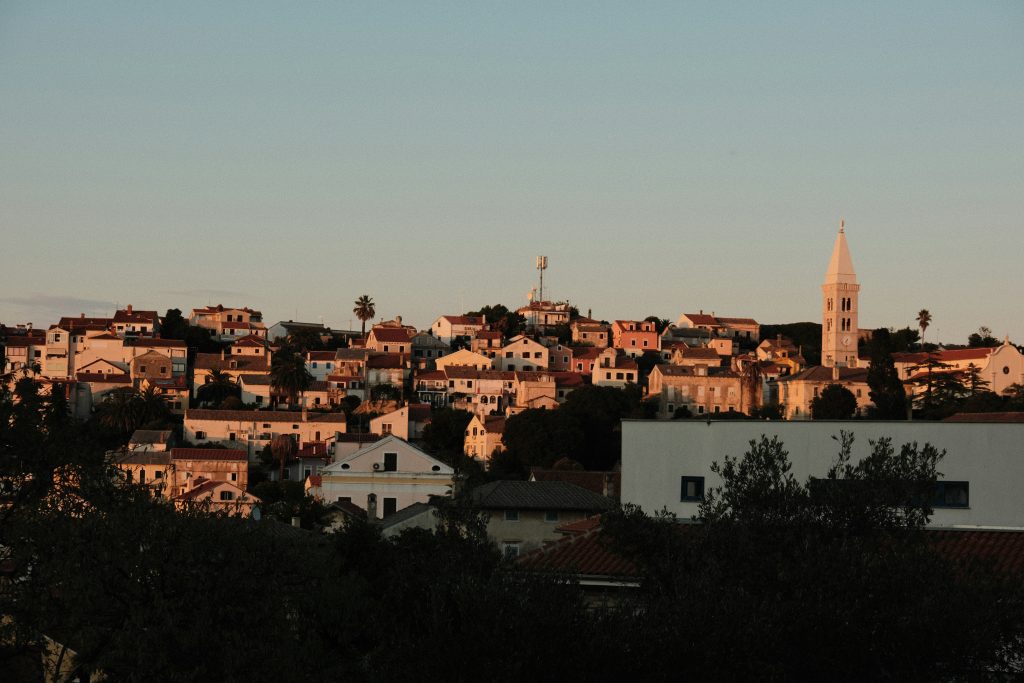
784,580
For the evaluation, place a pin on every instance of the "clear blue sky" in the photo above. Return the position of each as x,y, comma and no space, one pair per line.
665,156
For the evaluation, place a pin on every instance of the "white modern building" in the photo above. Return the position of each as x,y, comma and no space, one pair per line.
667,464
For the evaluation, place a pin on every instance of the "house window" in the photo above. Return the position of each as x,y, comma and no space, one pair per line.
266,425
234,476
469,384
231,436
536,354
200,435
510,550
511,515
385,428
295,426
526,354
691,489
390,460
386,348
158,475
314,365
227,495
951,494
618,375
551,516
142,369
390,506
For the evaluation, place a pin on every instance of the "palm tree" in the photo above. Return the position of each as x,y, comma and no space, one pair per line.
219,386
924,318
122,410
364,310
751,382
283,447
289,376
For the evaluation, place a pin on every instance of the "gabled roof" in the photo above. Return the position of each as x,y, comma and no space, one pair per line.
431,375
208,454
150,436
129,315
537,495
390,441
208,487
386,361
321,355
488,334
465,319
585,554
72,323
391,334
492,424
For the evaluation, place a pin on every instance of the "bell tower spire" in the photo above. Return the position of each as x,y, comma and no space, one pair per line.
839,306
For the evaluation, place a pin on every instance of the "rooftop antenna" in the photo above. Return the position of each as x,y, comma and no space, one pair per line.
542,265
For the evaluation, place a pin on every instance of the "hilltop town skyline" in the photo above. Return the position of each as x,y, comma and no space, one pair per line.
665,158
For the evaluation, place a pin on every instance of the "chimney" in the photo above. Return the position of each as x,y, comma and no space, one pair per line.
702,311
128,309
296,521
371,506
82,315
609,485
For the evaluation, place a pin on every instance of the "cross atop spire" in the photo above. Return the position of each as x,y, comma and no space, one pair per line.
840,266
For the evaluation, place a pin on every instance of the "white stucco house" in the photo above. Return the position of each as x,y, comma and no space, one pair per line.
386,476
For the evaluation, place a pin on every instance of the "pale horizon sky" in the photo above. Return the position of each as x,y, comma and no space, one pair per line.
666,156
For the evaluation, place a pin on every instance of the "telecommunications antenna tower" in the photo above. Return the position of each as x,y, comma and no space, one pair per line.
542,265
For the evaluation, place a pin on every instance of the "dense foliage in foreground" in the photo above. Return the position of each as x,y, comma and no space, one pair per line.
834,579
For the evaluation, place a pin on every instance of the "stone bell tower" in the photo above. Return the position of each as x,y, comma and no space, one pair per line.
839,307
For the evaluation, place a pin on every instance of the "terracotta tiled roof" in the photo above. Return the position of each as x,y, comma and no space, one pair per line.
586,554
133,316
358,438
321,355
459,372
1004,549
243,363
586,352
581,526
464,319
699,353
351,354
986,417
145,458
386,361
207,454
391,334
315,449
294,416
71,323
737,321
948,355
431,375
488,334
701,318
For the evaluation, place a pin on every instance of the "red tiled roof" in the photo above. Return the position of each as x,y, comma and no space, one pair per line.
581,526
386,360
314,449
465,319
391,334
133,316
1004,549
432,374
419,412
699,352
494,424
207,454
71,323
737,321
488,334
213,361
986,417
588,554
586,352
321,355
943,356
701,318
358,438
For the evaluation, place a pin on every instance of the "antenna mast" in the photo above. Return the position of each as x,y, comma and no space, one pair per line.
542,265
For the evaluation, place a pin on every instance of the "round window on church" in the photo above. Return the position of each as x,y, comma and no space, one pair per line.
1006,369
